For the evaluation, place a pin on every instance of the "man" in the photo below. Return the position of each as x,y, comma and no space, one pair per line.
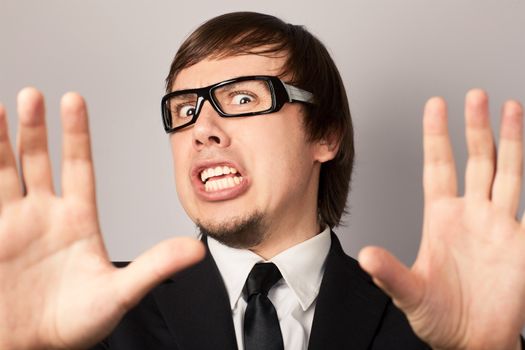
262,149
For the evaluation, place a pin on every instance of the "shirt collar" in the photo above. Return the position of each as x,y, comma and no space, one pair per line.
234,266
302,267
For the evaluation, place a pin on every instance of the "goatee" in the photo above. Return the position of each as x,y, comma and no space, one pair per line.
240,232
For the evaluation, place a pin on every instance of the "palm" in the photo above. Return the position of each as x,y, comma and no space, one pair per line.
466,287
51,249
465,275
58,267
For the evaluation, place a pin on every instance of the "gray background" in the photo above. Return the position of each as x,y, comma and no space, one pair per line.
393,55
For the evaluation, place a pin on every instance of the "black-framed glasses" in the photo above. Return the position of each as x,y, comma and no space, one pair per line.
238,97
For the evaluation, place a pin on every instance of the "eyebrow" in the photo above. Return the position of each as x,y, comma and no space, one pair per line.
230,86
234,85
184,96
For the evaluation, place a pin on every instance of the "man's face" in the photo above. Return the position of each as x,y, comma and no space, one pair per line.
274,171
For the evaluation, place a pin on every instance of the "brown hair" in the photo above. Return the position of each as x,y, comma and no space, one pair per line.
311,68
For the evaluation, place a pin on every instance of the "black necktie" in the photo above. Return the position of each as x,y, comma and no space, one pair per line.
261,325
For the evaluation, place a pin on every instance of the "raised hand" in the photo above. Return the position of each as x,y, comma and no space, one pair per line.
57,287
466,289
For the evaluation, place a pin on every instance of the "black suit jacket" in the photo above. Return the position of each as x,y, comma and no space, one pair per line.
191,310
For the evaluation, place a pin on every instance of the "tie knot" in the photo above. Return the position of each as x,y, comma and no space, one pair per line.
261,279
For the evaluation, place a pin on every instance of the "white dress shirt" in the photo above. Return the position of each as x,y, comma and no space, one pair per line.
294,296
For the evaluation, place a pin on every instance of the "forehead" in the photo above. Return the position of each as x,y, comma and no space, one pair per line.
210,71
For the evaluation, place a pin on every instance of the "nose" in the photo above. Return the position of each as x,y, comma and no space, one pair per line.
208,130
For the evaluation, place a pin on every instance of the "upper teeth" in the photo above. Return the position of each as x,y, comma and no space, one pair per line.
217,171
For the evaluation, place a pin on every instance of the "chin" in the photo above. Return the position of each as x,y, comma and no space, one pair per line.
237,232
224,212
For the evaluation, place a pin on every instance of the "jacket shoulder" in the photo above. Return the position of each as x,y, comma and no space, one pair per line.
388,326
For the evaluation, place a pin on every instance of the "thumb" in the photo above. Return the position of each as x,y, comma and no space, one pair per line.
154,266
392,277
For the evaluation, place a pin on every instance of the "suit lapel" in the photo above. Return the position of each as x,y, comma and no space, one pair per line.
349,307
195,305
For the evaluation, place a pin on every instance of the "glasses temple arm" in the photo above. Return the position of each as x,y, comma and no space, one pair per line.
297,94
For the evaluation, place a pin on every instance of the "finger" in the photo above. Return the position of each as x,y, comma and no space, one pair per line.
480,144
32,141
154,266
78,177
9,182
507,183
392,277
439,171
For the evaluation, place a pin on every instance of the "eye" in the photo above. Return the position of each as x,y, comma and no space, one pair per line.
241,99
185,111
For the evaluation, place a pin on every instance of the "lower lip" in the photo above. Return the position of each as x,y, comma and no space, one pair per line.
221,195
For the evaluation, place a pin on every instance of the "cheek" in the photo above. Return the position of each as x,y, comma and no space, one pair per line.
283,163
181,163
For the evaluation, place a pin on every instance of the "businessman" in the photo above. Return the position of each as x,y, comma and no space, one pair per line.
262,146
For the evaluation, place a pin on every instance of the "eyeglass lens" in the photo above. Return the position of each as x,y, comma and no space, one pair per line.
240,97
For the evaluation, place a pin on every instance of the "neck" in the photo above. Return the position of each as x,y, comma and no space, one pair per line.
284,238
295,223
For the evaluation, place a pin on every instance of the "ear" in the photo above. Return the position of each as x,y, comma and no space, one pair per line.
326,148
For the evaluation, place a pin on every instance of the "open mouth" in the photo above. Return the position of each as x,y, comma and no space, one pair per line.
220,177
